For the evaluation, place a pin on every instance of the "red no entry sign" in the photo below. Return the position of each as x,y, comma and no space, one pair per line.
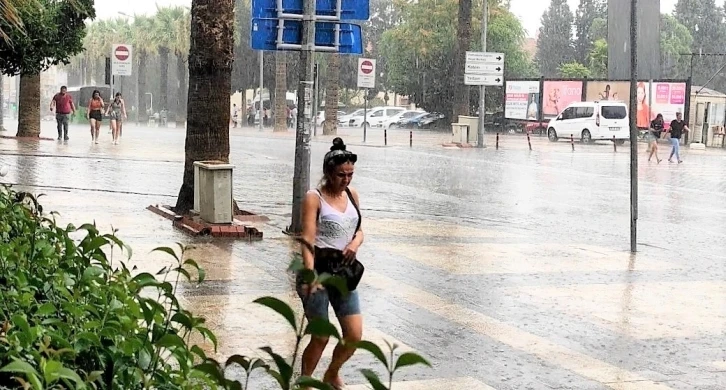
122,53
366,67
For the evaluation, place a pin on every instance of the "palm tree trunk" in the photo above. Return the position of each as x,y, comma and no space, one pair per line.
181,74
2,102
29,110
280,91
461,92
211,56
164,82
332,87
143,116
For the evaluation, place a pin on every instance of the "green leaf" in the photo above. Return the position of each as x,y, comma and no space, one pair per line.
195,349
410,359
212,369
46,309
374,349
284,369
92,272
335,282
170,341
322,328
306,381
168,251
145,279
20,367
208,334
182,319
281,308
373,379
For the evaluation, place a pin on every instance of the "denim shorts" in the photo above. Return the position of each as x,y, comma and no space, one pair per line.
316,305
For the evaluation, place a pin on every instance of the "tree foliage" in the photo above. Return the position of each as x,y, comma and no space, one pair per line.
675,40
704,20
598,59
587,12
574,70
420,50
554,45
53,32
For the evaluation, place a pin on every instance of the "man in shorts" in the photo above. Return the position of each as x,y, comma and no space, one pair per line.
63,106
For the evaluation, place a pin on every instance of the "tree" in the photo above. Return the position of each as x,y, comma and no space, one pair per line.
164,26
211,54
280,91
554,45
53,34
675,40
144,45
332,89
586,13
599,29
574,70
463,40
598,59
704,20
181,24
419,54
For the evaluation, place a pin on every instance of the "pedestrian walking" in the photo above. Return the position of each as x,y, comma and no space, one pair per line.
331,220
116,111
656,129
235,115
95,114
678,127
62,104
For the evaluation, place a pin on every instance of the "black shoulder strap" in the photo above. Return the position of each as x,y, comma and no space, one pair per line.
352,200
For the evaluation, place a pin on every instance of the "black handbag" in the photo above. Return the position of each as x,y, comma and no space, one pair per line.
331,261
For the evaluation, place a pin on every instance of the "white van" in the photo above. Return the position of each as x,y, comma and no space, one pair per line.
591,121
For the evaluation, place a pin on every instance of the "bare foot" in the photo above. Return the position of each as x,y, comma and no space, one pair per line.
336,382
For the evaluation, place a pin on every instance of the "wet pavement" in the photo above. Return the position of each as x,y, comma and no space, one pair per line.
508,269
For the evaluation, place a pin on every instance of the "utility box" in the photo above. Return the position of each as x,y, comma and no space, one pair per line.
213,191
473,123
460,133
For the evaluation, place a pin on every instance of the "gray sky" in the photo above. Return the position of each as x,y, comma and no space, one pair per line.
529,11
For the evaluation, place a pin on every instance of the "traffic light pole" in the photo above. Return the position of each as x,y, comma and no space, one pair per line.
301,179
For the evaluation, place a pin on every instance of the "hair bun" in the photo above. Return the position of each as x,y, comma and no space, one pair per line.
338,144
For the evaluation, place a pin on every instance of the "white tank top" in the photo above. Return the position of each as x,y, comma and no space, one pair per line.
335,229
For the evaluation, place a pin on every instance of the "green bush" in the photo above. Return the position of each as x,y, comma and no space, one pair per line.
72,318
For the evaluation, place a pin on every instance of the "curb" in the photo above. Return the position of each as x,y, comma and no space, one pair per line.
193,225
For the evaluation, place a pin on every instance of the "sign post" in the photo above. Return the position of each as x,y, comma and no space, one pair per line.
367,81
483,69
306,26
121,62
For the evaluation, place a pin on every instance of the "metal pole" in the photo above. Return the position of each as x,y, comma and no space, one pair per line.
482,89
633,114
316,80
262,85
365,114
301,180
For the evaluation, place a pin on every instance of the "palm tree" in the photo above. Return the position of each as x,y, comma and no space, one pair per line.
280,91
164,28
182,25
332,87
211,54
144,44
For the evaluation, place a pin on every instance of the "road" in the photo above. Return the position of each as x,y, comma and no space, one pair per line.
508,269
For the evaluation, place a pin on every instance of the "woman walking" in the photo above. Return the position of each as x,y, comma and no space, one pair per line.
95,114
331,220
676,130
117,112
656,129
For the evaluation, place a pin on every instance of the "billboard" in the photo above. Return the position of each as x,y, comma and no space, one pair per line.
522,100
667,99
608,90
557,95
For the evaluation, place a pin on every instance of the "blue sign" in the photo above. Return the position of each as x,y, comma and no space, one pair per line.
350,9
264,35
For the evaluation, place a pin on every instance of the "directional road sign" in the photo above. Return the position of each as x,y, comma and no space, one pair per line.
121,60
483,68
485,80
350,9
473,57
264,35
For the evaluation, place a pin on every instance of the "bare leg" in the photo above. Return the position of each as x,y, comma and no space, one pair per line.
114,130
120,125
93,127
98,129
311,355
352,327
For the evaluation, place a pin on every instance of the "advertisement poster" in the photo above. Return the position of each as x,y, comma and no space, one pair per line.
667,99
558,95
608,90
522,100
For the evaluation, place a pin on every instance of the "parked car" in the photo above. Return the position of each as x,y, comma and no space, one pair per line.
432,121
591,121
388,123
375,116
344,120
408,123
320,118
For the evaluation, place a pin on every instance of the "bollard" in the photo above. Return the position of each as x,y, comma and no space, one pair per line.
572,142
497,141
410,139
529,142
615,146
385,137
